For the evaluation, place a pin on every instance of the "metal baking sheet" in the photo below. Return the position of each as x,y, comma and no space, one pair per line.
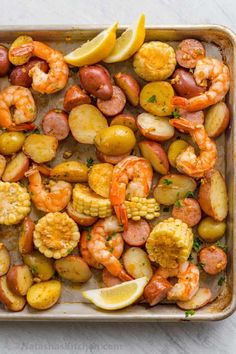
220,43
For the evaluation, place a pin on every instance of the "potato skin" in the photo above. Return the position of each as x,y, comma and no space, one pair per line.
137,263
5,259
211,230
19,279
96,80
175,149
16,168
155,153
79,218
155,128
99,178
42,296
12,301
40,148
11,142
173,187
41,266
73,268
70,171
130,87
26,243
217,119
109,158
5,64
115,140
125,119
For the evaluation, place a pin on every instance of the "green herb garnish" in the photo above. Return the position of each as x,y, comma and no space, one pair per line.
176,113
189,313
190,258
90,162
111,249
34,270
152,99
178,204
197,244
221,281
189,194
222,246
200,266
167,181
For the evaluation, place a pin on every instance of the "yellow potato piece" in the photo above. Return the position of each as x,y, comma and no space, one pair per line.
175,149
40,148
155,61
70,171
99,178
155,98
44,295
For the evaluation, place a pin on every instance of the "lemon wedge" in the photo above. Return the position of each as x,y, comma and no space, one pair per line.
95,50
129,42
118,296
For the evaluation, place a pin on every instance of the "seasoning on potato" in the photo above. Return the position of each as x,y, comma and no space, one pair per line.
99,178
42,296
40,148
11,142
70,171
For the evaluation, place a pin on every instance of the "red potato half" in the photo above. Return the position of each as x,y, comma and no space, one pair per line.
5,259
217,119
79,218
212,196
19,279
202,297
26,243
73,268
12,301
125,119
155,128
16,168
110,159
157,156
130,87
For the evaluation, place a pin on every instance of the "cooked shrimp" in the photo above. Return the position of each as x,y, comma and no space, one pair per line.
207,69
106,245
187,161
86,255
53,81
132,177
188,281
51,198
25,109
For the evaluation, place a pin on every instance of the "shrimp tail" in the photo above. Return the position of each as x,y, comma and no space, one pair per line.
182,124
124,276
24,49
21,127
121,214
178,101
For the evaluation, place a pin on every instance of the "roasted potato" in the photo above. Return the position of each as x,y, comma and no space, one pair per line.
173,187
25,243
155,128
137,263
85,122
211,230
175,149
155,98
99,178
202,297
110,158
40,266
79,218
12,301
16,168
115,140
3,163
155,153
130,87
5,259
19,279
96,80
70,171
40,148
44,295
22,59
212,196
73,268
217,119
5,64
11,142
125,119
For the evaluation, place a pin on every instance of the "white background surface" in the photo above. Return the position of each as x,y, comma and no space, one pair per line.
99,338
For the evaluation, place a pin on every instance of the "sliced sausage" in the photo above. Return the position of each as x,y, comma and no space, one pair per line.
55,123
75,96
213,259
110,159
113,106
194,117
188,52
185,85
156,290
137,232
188,210
109,279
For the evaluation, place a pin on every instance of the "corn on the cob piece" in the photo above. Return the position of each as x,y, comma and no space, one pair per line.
56,234
170,243
14,203
89,203
138,208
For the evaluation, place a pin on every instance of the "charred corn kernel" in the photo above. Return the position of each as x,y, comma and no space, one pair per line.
56,234
14,203
141,207
88,202
170,243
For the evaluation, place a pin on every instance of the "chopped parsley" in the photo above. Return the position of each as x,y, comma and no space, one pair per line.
200,265
88,229
178,204
189,194
222,246
166,209
31,110
152,99
34,270
90,162
221,281
70,251
176,113
189,313
190,258
110,236
167,181
111,249
197,244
